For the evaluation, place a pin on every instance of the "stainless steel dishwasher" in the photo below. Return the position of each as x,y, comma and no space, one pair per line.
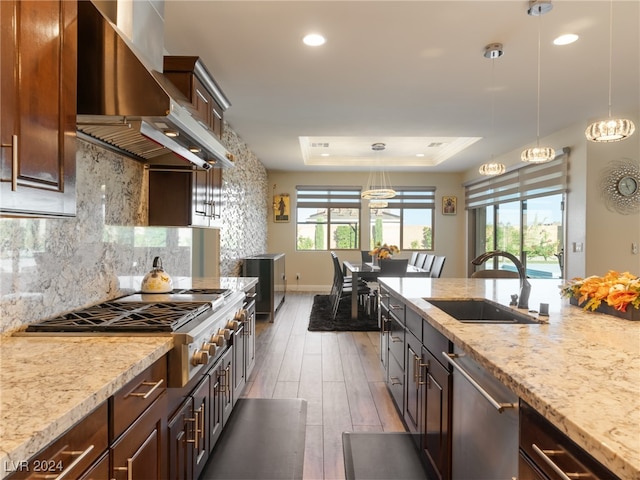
484,427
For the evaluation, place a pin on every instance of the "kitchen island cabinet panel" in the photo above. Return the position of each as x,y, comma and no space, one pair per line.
38,116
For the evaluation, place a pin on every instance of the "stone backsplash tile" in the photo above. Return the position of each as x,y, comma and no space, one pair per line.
51,266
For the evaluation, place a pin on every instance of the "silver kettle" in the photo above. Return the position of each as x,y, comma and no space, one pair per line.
157,280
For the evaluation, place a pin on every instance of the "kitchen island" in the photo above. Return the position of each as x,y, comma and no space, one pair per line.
581,371
49,383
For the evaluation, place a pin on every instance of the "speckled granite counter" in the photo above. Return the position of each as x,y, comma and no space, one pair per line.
581,371
47,384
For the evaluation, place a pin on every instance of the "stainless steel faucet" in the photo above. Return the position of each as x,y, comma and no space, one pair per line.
525,286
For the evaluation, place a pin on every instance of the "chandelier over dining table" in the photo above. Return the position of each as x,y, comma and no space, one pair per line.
378,185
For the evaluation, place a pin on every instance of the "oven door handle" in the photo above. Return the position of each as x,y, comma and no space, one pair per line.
450,358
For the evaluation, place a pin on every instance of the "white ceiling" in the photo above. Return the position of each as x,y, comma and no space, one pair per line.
407,69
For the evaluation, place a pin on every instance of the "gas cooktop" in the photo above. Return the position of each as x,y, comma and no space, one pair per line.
140,312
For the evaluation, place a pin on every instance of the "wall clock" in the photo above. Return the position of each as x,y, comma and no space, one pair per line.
620,186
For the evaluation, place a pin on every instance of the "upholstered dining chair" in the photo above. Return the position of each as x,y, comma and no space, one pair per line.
413,259
392,267
489,273
428,262
438,265
365,256
420,260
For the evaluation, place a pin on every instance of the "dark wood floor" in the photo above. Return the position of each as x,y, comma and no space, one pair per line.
338,373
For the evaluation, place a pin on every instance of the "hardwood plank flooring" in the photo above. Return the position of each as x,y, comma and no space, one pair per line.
338,373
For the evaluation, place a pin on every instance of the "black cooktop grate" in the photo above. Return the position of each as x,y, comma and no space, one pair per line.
124,317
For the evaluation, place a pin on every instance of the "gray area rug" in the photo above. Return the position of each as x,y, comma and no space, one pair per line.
264,439
382,456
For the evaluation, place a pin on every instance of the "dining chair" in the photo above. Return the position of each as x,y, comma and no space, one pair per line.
428,262
413,259
343,288
490,273
420,260
365,256
438,264
391,267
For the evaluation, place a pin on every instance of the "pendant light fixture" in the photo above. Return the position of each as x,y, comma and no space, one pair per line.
611,129
378,186
491,169
538,154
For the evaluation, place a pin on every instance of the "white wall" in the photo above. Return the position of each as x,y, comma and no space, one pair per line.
315,267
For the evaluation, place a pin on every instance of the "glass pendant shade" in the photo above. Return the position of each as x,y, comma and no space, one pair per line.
538,155
610,130
492,169
378,186
378,204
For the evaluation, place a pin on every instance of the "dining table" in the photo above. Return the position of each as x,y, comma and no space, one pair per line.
369,271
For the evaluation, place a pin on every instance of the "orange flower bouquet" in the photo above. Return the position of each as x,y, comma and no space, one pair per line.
618,290
384,251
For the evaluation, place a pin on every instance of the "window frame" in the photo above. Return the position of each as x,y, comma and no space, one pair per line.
330,198
410,198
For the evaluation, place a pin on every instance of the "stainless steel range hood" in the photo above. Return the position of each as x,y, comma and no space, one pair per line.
127,105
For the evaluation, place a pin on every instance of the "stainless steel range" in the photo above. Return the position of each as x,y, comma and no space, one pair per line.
201,322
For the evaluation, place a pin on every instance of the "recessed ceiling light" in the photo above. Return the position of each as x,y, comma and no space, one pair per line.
565,39
324,154
314,40
419,154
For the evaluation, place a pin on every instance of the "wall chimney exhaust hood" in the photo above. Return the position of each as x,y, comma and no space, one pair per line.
128,106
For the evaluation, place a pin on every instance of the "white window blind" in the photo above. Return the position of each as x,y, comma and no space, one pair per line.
413,197
530,181
327,197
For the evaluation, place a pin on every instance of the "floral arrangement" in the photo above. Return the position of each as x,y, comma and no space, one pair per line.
384,251
618,290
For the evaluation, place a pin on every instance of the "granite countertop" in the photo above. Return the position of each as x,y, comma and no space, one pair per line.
581,370
47,384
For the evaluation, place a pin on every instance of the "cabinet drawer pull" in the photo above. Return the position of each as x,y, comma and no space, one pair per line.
420,367
80,456
396,339
151,390
544,454
449,357
395,307
395,381
14,161
128,469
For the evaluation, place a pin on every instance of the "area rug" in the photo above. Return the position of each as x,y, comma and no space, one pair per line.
263,439
320,319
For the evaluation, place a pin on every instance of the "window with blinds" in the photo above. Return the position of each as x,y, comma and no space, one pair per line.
527,182
327,218
407,221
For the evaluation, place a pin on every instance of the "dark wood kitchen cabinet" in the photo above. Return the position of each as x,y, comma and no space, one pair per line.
420,384
76,451
138,413
192,78
271,290
545,451
184,196
38,118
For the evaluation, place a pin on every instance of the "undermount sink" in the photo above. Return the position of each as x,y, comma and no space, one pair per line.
480,310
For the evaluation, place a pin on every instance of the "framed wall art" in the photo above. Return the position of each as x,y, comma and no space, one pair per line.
281,207
449,205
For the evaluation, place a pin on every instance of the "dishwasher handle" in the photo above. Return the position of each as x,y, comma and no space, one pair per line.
450,358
